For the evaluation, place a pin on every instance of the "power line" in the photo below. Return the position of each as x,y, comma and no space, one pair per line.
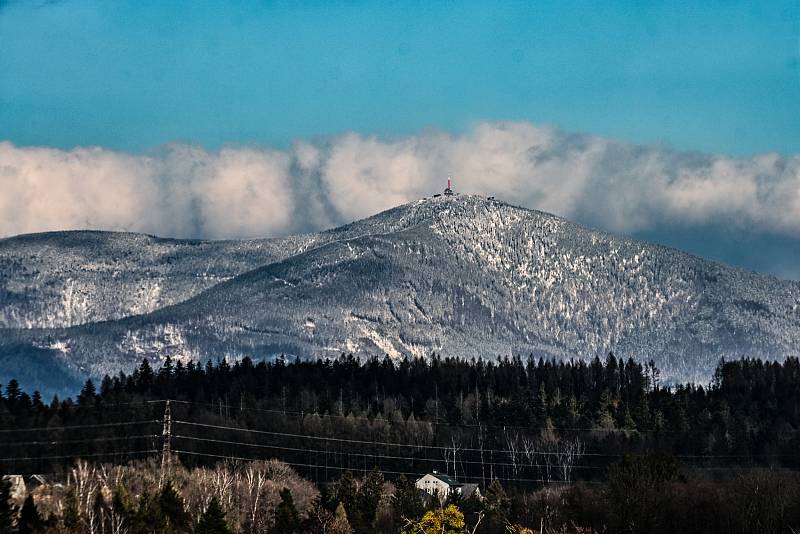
415,473
377,455
361,441
425,422
320,466
444,448
74,441
99,405
72,427
242,458
587,430
77,456
324,438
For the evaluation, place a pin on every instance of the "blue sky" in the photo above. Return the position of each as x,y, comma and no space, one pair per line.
720,78
711,76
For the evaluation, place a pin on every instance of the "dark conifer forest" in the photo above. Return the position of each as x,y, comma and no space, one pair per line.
557,438
748,416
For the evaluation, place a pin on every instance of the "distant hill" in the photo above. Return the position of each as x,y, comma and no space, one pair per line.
462,276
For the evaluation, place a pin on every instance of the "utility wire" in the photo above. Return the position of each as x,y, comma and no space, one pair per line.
358,441
435,423
73,427
320,466
74,441
335,439
445,448
78,456
366,455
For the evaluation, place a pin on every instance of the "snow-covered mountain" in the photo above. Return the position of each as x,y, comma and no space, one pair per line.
63,279
460,275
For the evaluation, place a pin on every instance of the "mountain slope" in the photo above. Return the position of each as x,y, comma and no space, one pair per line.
463,276
63,279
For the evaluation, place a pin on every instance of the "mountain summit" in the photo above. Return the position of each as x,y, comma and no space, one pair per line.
457,275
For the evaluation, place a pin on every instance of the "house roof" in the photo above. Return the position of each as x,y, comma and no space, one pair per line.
446,479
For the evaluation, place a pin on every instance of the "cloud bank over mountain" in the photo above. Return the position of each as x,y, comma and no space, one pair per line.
187,191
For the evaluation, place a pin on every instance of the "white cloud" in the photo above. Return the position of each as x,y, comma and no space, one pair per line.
245,192
47,189
184,191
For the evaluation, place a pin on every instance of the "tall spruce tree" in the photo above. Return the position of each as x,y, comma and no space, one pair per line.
287,520
408,504
173,508
497,506
213,520
345,492
369,496
29,519
88,394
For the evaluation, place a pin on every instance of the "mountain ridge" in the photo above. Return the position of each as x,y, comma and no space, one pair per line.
463,276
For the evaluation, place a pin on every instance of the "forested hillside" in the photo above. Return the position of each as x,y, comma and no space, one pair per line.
519,420
568,446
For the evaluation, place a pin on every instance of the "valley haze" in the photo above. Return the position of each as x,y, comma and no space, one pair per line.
460,276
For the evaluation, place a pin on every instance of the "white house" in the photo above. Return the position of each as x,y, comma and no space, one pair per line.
442,486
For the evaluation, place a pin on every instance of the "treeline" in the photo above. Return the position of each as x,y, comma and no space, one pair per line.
523,421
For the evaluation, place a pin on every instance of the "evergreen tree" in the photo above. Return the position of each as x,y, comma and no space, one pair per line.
369,496
29,519
88,394
497,506
107,387
148,516
24,404
603,416
213,520
287,520
408,504
341,524
472,507
13,392
121,506
344,492
144,376
540,405
36,400
173,508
